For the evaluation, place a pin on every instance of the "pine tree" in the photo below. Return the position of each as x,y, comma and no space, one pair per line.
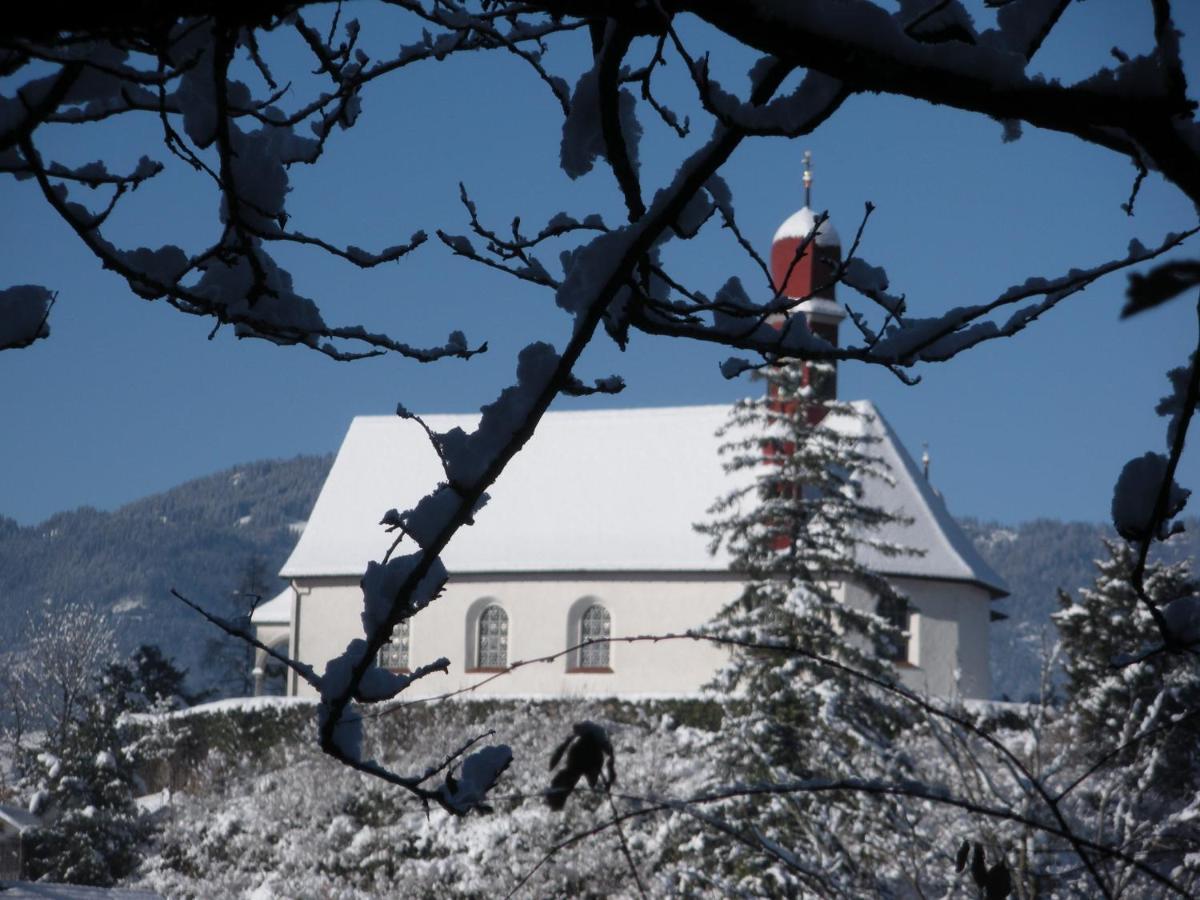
1106,623
85,797
84,780
795,530
1131,730
147,682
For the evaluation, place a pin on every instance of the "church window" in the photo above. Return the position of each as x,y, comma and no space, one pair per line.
493,639
595,624
394,654
895,611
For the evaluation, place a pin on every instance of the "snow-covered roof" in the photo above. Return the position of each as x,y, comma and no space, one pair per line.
800,224
18,818
276,611
596,491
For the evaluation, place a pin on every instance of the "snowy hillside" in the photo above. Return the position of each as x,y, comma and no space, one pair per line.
199,537
1037,559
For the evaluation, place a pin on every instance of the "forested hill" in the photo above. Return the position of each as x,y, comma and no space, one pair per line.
203,536
1036,559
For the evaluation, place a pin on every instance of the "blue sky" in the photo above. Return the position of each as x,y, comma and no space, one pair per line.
127,397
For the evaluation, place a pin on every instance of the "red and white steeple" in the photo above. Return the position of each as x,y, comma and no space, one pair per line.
809,277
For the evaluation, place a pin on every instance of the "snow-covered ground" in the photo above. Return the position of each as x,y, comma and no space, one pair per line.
25,890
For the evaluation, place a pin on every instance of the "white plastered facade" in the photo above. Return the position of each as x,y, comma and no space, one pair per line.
598,510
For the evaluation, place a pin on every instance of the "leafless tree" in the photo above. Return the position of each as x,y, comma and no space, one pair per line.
203,72
57,666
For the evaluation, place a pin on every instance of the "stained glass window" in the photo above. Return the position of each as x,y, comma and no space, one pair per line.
493,639
394,655
595,625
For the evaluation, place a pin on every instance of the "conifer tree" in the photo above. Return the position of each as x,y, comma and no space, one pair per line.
85,790
1130,725
796,528
1100,628
84,781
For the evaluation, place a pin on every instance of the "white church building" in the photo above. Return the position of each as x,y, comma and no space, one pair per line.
589,534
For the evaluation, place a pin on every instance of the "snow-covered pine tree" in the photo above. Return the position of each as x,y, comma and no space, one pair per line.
1107,622
1132,731
84,793
795,530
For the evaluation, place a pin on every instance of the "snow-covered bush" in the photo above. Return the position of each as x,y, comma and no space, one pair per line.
287,821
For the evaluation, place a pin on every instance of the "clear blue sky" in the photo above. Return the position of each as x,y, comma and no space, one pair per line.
127,397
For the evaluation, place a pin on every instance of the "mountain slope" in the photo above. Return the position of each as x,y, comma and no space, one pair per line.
202,536
1036,559
199,538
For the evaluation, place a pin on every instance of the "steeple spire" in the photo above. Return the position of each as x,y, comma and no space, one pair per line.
808,178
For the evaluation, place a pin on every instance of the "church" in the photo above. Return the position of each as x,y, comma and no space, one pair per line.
589,534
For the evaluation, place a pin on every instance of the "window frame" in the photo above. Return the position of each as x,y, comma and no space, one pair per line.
583,664
905,610
479,622
403,631
575,636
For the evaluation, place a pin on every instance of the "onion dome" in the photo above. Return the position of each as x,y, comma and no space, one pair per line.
800,271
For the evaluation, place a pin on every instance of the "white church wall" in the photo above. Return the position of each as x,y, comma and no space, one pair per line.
948,640
544,615
974,660
948,648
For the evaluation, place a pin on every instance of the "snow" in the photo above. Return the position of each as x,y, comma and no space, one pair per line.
381,584
23,311
380,684
480,772
25,890
1136,493
163,265
127,604
800,225
18,818
820,308
734,366
1182,616
276,611
52,763
152,803
545,517
232,704
582,137
1174,404
348,732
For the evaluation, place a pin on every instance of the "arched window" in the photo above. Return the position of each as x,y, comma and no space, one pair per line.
895,611
394,654
493,639
594,624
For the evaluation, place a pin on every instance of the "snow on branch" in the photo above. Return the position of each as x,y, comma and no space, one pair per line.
304,670
1147,497
24,311
239,285
1135,108
789,116
903,342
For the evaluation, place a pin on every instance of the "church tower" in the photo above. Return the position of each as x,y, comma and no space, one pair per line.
807,273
